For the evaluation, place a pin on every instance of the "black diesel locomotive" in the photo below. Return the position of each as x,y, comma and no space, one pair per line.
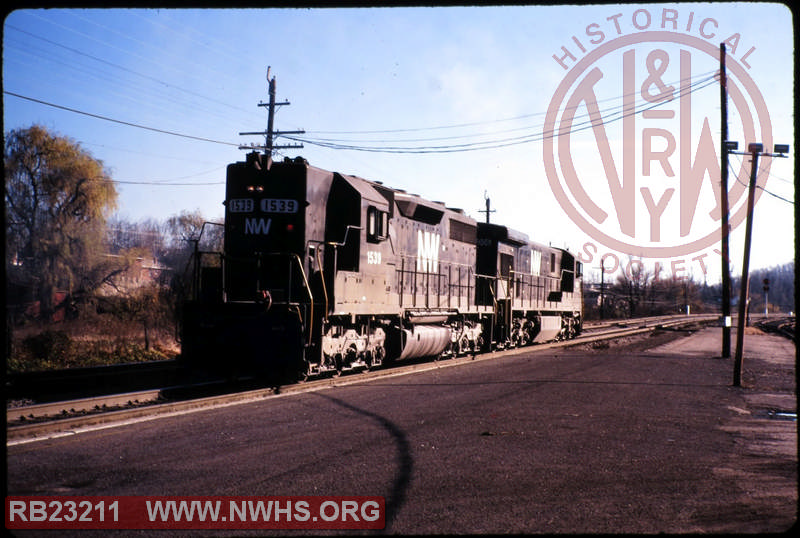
322,271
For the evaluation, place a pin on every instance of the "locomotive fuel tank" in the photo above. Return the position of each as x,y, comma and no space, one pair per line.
418,341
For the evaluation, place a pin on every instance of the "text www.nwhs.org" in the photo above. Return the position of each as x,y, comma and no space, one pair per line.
264,511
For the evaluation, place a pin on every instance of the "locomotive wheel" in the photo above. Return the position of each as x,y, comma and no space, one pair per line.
375,357
524,335
351,356
480,344
463,346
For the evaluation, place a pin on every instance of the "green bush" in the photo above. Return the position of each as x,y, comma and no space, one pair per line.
46,350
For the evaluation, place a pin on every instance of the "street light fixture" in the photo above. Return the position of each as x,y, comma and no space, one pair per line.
755,147
781,149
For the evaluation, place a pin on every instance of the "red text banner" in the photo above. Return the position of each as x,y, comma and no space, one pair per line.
195,512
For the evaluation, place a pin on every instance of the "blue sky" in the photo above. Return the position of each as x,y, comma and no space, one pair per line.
400,77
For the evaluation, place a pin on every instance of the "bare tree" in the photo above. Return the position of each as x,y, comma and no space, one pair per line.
632,285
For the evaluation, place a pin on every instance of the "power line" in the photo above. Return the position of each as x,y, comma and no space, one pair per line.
334,143
121,122
116,83
214,164
117,66
705,76
472,146
167,183
760,171
760,186
492,144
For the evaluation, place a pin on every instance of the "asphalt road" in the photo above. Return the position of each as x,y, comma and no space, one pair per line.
614,440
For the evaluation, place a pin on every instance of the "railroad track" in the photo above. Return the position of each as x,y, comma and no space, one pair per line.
631,327
47,386
81,383
650,320
783,325
68,416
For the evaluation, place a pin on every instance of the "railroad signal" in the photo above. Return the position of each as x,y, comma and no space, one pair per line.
766,284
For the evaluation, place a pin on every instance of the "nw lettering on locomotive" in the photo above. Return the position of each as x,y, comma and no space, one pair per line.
536,262
428,251
254,226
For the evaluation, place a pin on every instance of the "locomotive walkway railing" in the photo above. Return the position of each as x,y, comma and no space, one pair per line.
440,289
293,261
294,270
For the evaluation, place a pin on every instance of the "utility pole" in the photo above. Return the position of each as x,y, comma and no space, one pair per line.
488,209
270,113
602,290
755,150
270,134
726,272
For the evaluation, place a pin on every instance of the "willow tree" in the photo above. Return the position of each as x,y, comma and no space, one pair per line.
57,200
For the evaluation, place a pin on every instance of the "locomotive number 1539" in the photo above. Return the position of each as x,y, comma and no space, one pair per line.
279,205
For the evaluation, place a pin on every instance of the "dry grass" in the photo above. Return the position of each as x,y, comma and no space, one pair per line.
101,341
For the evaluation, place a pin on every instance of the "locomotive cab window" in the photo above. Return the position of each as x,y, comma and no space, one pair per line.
377,225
